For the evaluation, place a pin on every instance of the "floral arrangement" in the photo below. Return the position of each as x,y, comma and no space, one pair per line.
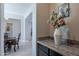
56,20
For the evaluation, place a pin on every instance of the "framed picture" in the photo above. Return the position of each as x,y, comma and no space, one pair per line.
64,10
9,26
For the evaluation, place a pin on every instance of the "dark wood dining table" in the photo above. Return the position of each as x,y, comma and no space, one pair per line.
10,41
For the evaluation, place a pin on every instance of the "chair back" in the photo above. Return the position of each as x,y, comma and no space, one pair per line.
19,37
5,35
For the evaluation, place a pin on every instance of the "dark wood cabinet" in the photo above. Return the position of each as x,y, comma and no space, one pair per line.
44,51
54,53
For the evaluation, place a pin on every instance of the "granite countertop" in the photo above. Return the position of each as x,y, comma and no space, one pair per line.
66,50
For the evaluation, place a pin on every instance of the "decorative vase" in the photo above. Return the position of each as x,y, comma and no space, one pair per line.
61,35
57,37
65,34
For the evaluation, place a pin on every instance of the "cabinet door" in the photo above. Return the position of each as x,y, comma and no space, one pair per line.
42,53
54,53
42,50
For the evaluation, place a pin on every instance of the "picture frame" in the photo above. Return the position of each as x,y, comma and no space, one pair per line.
64,10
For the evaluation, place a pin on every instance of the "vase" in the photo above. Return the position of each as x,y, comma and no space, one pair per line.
57,37
61,35
64,33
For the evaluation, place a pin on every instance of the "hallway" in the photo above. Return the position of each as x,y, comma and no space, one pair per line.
24,50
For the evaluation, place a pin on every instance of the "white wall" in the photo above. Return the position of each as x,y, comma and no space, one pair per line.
1,29
16,26
28,25
23,30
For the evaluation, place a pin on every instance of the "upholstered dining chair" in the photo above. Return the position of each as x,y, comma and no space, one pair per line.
17,42
5,36
6,43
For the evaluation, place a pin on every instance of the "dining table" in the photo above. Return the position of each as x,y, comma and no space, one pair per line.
9,42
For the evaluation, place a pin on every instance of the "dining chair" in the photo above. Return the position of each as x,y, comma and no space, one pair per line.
17,42
5,35
12,42
6,44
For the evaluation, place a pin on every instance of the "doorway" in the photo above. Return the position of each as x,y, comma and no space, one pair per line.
15,16
28,27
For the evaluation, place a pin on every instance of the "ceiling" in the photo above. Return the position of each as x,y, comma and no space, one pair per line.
16,8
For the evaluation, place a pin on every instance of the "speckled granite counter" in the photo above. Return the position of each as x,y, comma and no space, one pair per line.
66,50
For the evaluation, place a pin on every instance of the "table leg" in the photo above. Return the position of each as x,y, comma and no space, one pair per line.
14,48
4,50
